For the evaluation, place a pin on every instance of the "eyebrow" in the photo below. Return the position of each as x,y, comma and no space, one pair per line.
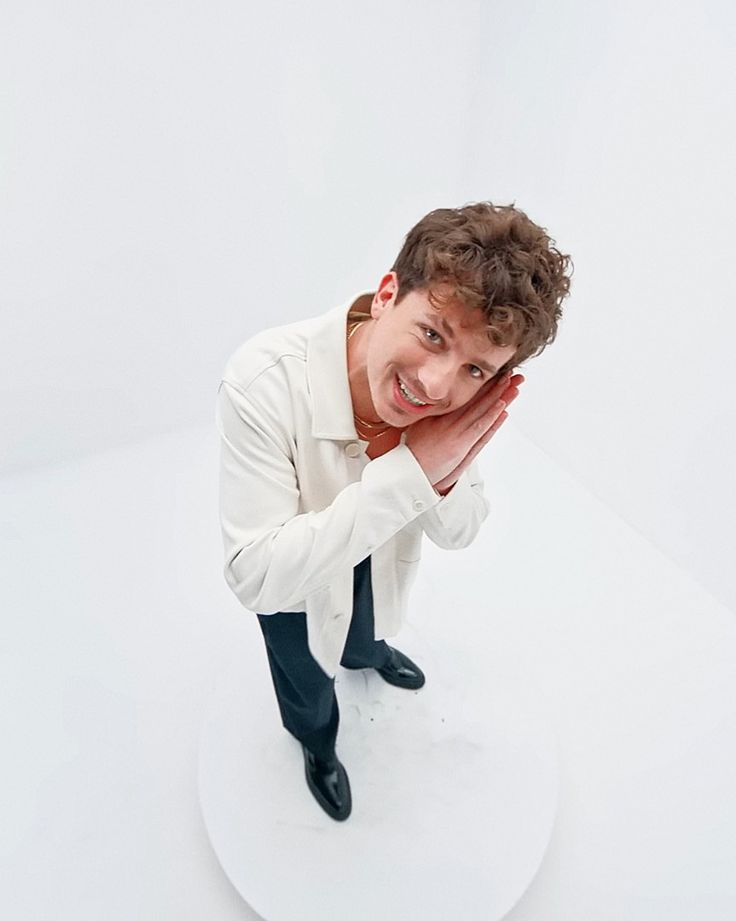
491,369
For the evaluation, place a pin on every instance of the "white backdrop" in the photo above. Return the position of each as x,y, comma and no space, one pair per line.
176,176
615,125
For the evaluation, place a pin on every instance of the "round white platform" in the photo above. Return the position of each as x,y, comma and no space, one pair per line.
454,793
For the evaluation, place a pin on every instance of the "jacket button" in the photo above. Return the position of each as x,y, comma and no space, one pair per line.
418,505
352,450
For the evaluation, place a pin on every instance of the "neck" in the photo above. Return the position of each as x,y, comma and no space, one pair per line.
360,394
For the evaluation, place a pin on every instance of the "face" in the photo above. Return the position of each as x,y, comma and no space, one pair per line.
423,361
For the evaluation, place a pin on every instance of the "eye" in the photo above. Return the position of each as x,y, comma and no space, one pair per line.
427,329
479,375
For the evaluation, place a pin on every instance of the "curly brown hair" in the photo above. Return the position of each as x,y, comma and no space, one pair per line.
493,257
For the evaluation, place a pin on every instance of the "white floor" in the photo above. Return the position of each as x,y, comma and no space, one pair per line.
454,791
117,627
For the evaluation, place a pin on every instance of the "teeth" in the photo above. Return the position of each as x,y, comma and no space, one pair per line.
409,395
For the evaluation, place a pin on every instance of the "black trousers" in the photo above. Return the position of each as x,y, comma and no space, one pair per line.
305,694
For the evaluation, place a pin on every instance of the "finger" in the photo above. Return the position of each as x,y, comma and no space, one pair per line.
493,389
487,399
483,441
473,453
495,385
496,392
486,427
499,421
513,386
508,396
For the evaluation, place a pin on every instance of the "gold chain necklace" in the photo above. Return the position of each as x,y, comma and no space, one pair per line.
356,417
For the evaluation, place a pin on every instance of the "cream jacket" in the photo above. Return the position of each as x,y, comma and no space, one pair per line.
301,503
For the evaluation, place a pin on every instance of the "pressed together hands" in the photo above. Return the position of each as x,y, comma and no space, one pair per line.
446,445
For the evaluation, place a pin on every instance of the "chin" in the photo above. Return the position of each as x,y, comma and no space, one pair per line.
387,413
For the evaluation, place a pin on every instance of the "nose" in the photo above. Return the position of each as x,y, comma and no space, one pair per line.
436,377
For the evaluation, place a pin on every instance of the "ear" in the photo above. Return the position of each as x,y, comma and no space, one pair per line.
385,295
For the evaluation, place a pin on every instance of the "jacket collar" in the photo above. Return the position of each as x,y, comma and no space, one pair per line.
327,373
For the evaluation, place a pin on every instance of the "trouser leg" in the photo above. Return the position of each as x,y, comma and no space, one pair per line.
362,649
305,694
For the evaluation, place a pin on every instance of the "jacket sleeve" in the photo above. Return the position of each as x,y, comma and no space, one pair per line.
454,521
275,555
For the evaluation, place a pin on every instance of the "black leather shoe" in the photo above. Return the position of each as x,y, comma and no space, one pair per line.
401,671
328,781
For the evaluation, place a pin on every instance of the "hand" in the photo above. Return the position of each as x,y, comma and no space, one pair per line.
446,445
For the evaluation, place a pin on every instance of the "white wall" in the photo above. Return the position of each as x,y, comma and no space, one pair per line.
176,176
614,125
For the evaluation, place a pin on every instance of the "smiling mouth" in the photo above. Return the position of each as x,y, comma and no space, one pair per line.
409,396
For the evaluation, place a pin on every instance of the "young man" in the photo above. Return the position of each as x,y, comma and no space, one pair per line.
348,436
